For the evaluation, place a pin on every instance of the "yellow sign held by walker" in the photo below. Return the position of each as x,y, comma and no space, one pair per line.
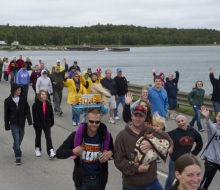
87,100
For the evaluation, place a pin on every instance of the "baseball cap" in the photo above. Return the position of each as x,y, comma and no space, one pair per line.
119,70
141,110
89,69
75,62
58,61
98,70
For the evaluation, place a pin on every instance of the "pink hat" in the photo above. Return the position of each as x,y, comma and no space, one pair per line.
98,70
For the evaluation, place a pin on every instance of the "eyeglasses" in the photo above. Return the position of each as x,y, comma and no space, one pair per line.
96,122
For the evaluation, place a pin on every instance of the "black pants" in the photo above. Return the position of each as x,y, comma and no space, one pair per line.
47,136
210,170
25,90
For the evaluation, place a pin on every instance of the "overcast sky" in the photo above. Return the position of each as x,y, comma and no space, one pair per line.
150,13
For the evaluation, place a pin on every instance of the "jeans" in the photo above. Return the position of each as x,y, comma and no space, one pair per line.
18,134
196,117
120,99
47,133
13,76
75,116
216,106
155,185
90,184
5,76
171,175
57,98
172,103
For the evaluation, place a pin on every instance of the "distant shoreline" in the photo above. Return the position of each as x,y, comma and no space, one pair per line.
64,48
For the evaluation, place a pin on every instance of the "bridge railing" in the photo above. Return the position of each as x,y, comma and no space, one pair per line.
181,97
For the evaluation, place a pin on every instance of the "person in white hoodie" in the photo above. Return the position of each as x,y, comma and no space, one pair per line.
44,83
211,153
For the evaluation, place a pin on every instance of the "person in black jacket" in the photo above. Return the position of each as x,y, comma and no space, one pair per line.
216,91
188,173
43,120
184,139
92,169
122,89
172,90
16,109
110,84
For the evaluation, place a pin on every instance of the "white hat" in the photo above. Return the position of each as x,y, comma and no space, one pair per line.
58,61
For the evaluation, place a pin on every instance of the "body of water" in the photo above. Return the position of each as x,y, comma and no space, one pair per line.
193,62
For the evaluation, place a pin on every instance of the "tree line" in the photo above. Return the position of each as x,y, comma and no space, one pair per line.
106,35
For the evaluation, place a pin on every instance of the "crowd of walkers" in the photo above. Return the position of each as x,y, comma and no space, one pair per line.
137,148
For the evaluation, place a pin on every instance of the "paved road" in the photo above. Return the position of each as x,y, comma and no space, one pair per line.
40,173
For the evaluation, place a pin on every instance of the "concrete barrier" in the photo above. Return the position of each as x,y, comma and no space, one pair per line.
181,97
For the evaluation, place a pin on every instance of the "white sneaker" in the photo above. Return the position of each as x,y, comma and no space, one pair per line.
37,152
52,154
117,118
172,117
111,121
74,123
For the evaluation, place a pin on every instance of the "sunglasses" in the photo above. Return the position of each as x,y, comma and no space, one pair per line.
96,122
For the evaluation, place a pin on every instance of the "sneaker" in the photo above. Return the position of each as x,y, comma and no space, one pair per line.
37,152
201,130
158,160
111,121
74,123
116,117
52,154
60,113
18,162
172,117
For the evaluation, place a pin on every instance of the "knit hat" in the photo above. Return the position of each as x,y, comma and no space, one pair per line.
181,116
98,70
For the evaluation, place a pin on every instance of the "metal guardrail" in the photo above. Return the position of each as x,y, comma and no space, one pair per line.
181,97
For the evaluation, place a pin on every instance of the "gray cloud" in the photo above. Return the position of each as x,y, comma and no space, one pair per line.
157,13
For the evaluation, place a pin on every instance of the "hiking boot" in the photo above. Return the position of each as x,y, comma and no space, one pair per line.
111,121
158,160
37,152
172,117
18,162
52,154
201,130
60,113
117,118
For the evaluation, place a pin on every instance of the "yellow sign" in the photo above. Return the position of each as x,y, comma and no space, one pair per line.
87,100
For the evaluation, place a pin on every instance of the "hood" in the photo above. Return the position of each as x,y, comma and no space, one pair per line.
14,87
43,71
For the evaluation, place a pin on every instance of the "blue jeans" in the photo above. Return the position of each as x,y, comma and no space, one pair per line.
155,185
172,103
171,175
216,106
120,99
13,76
196,117
18,134
75,116
89,184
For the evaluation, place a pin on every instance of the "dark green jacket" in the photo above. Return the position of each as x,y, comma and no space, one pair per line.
58,77
195,97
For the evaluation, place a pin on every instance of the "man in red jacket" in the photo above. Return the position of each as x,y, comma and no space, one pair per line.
34,76
20,62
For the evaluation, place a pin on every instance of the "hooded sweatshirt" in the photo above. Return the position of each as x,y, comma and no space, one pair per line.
16,114
158,100
124,152
216,88
184,141
44,83
171,86
212,153
22,77
195,97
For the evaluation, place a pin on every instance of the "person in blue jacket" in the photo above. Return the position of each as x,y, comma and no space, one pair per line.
172,90
23,79
157,96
